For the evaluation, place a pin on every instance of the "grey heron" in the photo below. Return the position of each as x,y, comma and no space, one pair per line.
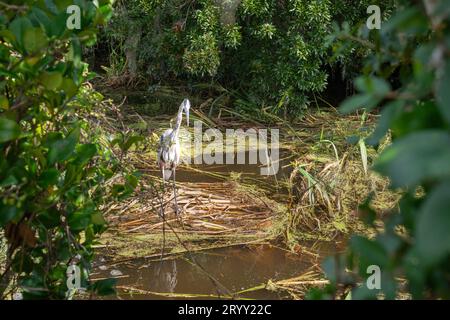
169,151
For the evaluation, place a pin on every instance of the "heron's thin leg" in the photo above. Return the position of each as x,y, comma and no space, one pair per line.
163,217
175,192
163,187
179,217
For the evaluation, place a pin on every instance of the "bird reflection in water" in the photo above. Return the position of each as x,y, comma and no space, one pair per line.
166,276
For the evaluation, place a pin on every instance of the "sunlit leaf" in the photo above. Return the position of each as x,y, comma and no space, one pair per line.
98,219
51,80
4,103
34,40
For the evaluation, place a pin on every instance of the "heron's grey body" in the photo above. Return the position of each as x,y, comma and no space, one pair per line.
168,153
169,144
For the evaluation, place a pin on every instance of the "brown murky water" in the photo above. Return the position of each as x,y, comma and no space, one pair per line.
235,269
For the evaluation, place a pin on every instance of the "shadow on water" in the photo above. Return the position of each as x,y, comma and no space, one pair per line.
236,268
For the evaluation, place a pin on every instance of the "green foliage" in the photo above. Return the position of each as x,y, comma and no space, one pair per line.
268,49
405,74
54,167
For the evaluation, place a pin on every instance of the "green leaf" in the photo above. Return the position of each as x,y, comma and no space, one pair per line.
9,130
51,6
50,218
51,80
410,20
414,273
415,118
433,236
353,140
62,149
132,179
391,242
366,212
356,102
375,86
80,219
58,26
84,153
416,158
130,141
48,177
4,102
34,40
104,287
443,94
9,213
18,28
75,52
98,219
364,293
388,114
69,87
369,252
334,268
39,16
107,13
9,180
373,91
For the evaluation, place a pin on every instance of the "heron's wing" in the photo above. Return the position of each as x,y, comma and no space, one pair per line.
164,146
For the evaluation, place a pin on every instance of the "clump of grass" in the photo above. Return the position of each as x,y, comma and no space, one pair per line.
331,176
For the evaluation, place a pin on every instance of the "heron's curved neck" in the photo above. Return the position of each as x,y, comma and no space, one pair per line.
176,129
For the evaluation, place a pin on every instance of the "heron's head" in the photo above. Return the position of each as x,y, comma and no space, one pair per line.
186,107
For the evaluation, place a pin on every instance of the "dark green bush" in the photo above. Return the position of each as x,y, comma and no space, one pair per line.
273,51
53,166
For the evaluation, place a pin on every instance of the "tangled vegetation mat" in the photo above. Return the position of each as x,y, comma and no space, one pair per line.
212,215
